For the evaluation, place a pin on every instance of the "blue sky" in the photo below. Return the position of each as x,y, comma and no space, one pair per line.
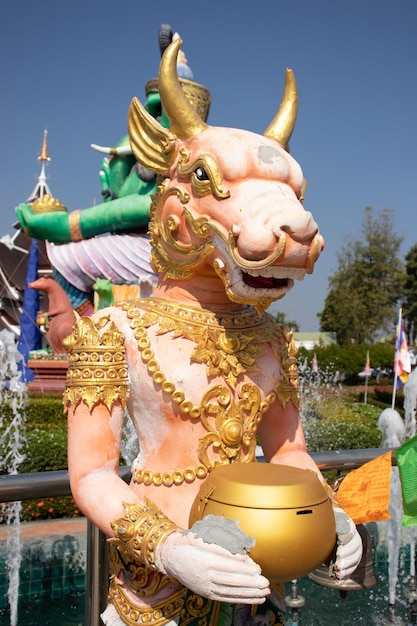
74,67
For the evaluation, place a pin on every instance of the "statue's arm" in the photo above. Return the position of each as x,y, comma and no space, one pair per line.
119,215
93,463
282,439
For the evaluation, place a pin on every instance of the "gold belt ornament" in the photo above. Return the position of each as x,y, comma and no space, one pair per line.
190,608
155,615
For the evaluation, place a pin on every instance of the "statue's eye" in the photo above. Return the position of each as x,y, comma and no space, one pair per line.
201,174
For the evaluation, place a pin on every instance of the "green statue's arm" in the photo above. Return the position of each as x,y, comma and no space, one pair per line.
119,215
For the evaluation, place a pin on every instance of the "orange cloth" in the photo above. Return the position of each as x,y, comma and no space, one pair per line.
365,492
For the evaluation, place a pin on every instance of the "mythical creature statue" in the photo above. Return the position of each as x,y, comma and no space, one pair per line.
77,253
203,370
78,257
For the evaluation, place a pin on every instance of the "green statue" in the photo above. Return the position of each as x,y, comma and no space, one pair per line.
126,185
126,189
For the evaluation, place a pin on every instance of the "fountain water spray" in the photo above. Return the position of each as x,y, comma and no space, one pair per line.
395,431
391,424
12,425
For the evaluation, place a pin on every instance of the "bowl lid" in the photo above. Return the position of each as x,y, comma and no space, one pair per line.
263,485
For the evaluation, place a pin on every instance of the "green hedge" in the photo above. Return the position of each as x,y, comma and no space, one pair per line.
324,435
335,424
45,409
40,410
45,449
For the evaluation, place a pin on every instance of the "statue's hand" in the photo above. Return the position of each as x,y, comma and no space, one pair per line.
349,546
211,570
52,226
105,176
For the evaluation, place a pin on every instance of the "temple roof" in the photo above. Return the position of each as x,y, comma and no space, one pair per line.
14,255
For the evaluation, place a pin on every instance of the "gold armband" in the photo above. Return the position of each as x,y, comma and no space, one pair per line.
97,370
140,531
74,226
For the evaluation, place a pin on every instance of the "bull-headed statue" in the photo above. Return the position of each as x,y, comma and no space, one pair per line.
231,200
203,371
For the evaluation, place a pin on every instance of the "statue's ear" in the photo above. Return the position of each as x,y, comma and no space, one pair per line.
153,145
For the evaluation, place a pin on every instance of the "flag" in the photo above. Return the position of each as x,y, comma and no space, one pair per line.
315,365
364,493
30,336
406,456
402,363
367,365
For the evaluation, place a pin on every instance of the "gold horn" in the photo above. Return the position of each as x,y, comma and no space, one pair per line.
283,124
183,118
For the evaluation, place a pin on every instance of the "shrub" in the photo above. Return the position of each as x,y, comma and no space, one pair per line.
322,435
45,409
49,508
45,450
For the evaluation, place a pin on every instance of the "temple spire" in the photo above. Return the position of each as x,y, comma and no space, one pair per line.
44,154
41,188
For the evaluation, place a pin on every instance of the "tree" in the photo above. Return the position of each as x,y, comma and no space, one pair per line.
281,318
363,293
410,293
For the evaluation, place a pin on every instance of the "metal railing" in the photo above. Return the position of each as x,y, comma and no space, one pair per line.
51,484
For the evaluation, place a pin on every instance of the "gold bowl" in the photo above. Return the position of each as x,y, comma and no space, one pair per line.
285,509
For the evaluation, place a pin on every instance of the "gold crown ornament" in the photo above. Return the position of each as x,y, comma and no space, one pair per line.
198,95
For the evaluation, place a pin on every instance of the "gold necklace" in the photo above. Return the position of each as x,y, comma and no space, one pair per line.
227,343
229,346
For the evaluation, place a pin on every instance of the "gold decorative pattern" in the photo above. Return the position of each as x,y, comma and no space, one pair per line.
143,580
259,305
229,345
189,607
156,614
153,145
74,226
233,437
199,610
198,95
206,186
140,531
176,477
97,370
169,256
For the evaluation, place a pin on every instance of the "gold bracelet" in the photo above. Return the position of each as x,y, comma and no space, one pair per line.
140,531
74,226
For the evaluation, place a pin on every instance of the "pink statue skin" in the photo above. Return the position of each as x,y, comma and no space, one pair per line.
230,220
